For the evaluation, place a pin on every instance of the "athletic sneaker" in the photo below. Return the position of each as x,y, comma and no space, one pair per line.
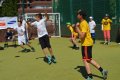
28,50
104,73
49,60
73,47
53,59
77,48
25,50
106,43
89,78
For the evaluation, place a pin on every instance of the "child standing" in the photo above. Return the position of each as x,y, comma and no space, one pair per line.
92,26
106,23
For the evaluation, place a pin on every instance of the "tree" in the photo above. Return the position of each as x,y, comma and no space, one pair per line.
9,8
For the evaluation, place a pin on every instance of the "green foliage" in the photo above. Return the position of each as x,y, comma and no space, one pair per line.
9,8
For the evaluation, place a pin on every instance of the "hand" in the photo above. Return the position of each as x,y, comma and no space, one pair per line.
73,25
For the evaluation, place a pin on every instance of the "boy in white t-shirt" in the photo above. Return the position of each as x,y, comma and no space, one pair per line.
92,26
21,38
44,40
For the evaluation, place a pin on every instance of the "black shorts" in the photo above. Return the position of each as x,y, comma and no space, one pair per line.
87,52
45,42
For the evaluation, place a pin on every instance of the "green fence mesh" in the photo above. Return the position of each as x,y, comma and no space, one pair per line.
95,8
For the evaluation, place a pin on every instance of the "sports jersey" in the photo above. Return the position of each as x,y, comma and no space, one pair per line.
92,25
84,27
106,24
41,27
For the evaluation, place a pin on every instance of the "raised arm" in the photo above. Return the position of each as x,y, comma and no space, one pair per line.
46,15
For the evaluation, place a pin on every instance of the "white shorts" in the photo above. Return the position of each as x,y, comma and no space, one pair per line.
21,40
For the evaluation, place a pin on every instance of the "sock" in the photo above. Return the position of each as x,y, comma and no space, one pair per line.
105,41
101,69
90,75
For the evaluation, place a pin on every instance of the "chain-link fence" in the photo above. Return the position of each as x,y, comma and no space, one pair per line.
96,8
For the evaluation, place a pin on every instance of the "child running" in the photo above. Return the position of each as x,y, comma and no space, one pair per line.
74,35
43,37
86,45
21,38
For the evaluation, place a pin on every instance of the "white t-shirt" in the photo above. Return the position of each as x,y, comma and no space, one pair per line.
41,27
24,26
23,23
21,35
21,32
92,25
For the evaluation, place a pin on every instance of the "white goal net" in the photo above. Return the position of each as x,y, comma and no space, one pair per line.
53,24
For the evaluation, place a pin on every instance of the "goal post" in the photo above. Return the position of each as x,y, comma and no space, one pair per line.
53,24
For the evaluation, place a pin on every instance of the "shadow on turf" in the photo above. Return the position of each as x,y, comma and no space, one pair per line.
44,59
17,56
15,46
39,58
101,42
83,72
71,47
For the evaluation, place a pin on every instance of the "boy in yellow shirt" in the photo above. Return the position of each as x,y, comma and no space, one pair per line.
106,23
74,35
86,45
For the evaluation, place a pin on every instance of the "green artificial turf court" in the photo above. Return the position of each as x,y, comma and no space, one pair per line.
15,65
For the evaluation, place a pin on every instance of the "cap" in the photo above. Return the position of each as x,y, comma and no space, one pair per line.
106,15
68,23
91,17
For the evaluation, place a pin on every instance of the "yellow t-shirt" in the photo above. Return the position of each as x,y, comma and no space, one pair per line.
72,31
106,24
84,27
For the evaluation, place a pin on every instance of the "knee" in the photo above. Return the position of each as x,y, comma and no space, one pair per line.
87,60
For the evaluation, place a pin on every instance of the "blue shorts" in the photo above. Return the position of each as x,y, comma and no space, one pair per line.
93,35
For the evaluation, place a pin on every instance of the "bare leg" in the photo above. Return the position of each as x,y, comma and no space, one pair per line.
22,46
95,64
45,51
74,41
29,45
87,66
51,51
